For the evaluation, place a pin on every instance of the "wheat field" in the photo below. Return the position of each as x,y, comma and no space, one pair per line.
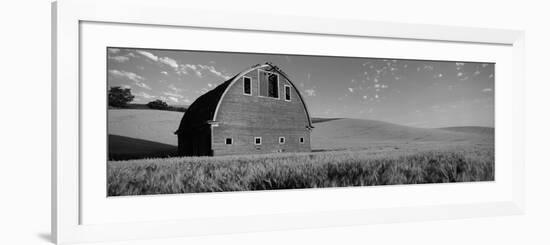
300,170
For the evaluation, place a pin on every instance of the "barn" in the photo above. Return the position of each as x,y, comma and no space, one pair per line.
257,111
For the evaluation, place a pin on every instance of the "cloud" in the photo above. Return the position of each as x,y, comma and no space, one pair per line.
145,95
310,92
459,66
169,61
119,59
484,65
428,68
350,89
193,67
143,85
148,55
487,90
185,67
137,79
459,74
113,50
174,88
164,72
173,94
213,70
476,73
182,70
491,76
173,99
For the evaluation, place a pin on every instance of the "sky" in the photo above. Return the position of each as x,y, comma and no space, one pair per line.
418,93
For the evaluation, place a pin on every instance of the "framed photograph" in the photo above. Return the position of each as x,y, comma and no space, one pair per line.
171,125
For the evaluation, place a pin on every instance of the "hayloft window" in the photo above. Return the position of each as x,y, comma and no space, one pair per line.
257,140
228,141
287,93
281,140
273,83
269,84
247,86
302,140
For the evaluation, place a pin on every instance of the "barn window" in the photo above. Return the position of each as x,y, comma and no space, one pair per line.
287,93
247,86
257,140
228,141
269,84
302,140
281,140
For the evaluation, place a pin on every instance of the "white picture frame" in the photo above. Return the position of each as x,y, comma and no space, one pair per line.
67,194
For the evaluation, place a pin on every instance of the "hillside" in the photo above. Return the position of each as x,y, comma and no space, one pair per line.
134,106
139,133
150,133
358,133
471,129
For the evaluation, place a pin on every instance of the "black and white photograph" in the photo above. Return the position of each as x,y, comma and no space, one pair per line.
184,121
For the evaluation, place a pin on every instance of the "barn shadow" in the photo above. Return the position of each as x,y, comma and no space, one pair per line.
126,148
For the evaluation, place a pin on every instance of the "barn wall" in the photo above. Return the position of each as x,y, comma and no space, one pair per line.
243,117
196,142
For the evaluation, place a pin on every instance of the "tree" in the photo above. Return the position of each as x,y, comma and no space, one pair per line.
120,97
158,104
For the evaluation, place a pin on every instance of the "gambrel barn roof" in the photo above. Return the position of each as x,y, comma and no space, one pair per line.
203,110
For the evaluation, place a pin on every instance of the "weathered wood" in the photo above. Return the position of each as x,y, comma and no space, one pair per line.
243,117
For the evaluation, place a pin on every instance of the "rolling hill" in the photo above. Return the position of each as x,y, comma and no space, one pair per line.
149,133
359,133
471,129
152,125
137,133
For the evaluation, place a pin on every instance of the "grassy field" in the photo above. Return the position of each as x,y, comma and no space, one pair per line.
346,152
299,170
142,133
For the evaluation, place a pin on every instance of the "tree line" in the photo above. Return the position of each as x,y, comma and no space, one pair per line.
121,97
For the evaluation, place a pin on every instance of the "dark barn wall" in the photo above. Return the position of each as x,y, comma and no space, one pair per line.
243,117
195,142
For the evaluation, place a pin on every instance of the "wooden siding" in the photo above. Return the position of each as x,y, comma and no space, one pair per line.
243,117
